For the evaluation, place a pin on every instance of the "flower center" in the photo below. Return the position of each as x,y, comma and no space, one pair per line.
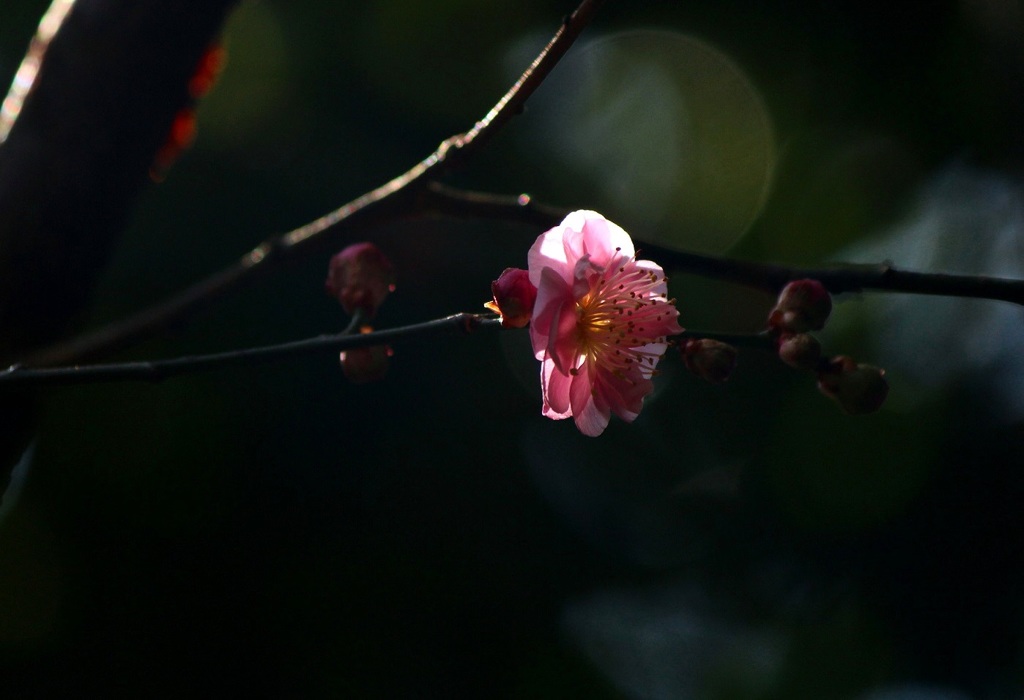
622,312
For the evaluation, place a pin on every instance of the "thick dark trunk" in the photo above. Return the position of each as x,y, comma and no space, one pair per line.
111,82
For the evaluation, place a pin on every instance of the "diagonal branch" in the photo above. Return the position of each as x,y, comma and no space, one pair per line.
392,200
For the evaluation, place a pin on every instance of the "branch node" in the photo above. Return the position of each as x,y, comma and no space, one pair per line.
470,322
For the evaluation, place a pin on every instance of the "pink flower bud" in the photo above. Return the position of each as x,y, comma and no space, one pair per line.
360,277
857,388
514,296
709,359
803,305
365,365
800,350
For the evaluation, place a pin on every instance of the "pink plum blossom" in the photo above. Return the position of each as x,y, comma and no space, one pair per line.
600,321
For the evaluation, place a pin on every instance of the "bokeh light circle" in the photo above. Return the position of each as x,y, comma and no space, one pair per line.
659,130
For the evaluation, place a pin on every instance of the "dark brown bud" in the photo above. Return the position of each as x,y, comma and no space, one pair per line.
800,350
858,389
365,365
803,305
360,277
710,359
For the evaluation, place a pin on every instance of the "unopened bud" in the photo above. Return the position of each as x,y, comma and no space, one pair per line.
360,277
365,365
514,296
803,305
710,359
800,350
857,388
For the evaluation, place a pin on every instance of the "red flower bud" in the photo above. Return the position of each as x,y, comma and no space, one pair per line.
803,305
800,350
709,359
514,296
857,388
364,365
360,277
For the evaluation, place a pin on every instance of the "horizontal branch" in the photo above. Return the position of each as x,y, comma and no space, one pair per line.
18,377
158,370
770,277
879,277
438,199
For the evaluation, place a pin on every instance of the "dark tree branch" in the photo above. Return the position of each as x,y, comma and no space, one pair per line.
769,277
460,148
158,370
392,200
93,103
16,378
101,102
417,192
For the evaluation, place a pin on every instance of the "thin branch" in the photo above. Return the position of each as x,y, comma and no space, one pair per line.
769,277
879,277
387,202
515,99
348,339
438,199
158,370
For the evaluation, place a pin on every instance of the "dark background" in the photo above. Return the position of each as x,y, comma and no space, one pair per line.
277,531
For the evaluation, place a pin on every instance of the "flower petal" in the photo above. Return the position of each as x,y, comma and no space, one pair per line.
661,288
563,345
548,251
656,350
555,387
590,418
553,293
625,394
588,233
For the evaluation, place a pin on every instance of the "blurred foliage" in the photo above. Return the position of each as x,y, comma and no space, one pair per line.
276,531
